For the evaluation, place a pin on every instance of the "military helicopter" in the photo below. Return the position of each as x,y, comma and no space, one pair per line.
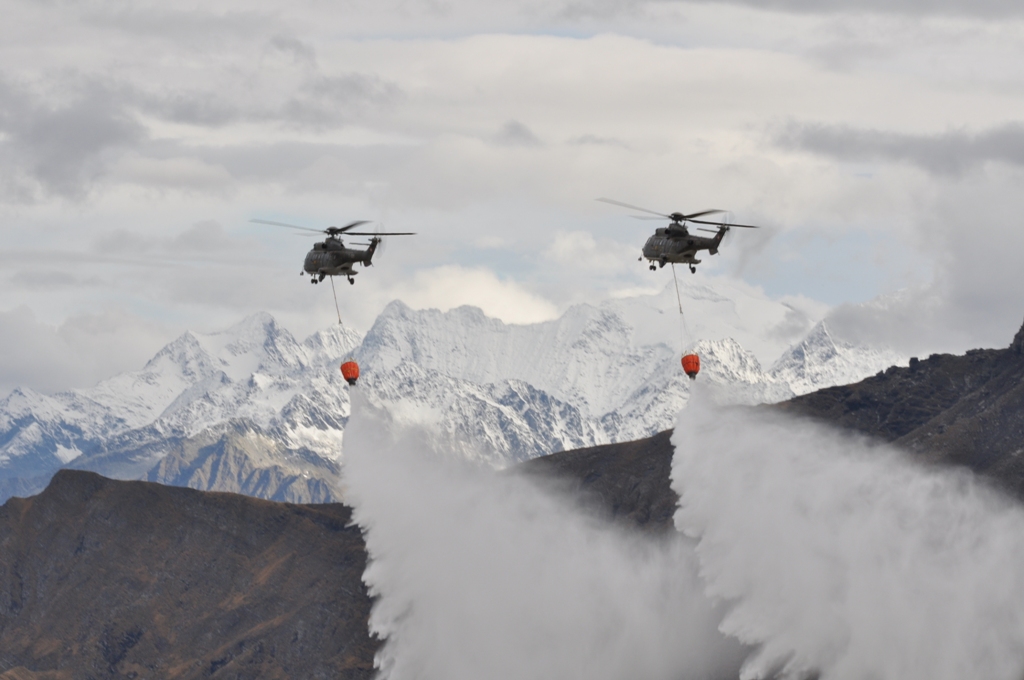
675,243
331,257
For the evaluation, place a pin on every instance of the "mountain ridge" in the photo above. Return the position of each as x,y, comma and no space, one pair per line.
500,392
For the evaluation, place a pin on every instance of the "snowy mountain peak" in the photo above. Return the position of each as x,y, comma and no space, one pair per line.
737,374
24,402
187,354
331,343
729,358
821,359
260,339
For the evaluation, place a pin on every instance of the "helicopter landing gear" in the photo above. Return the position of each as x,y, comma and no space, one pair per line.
351,281
313,280
693,270
653,268
661,263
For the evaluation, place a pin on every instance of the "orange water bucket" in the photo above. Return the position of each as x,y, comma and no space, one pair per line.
350,371
691,365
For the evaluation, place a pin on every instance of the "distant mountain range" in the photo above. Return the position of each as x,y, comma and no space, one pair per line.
253,410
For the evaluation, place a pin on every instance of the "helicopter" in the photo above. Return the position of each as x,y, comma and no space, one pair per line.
331,257
675,243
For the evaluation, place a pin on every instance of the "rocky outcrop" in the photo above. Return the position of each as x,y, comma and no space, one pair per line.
237,457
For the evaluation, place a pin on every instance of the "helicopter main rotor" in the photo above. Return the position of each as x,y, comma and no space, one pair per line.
676,217
335,231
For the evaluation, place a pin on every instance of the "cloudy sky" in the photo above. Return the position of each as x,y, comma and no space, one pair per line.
880,143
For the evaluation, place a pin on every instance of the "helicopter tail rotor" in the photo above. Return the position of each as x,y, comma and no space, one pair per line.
382,243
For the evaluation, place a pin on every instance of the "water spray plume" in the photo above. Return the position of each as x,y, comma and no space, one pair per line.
480,574
844,559
804,553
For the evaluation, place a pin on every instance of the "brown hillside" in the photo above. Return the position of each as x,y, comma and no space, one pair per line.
102,578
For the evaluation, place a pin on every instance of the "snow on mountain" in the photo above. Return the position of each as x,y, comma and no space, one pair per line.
494,423
253,410
254,371
585,357
737,374
36,429
822,360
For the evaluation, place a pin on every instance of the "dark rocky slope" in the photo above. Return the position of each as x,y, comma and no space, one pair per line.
958,410
626,482
102,578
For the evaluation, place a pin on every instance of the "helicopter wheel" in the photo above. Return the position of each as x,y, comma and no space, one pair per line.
352,281
653,268
693,270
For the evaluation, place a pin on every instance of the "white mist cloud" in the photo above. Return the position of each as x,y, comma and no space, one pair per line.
479,574
845,560
80,352
451,286
579,250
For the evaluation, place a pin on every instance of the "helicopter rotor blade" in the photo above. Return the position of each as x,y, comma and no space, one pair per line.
726,224
382,233
649,217
710,231
350,225
632,207
698,214
290,226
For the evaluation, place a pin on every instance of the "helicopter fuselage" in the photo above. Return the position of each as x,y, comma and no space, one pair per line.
675,243
331,257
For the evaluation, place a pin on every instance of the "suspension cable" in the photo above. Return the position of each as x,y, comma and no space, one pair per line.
684,332
336,308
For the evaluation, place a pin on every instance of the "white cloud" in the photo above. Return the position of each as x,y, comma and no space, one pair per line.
974,297
79,352
452,286
172,173
493,128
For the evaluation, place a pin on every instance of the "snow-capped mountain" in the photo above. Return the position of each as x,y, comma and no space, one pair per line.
252,409
821,360
253,373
